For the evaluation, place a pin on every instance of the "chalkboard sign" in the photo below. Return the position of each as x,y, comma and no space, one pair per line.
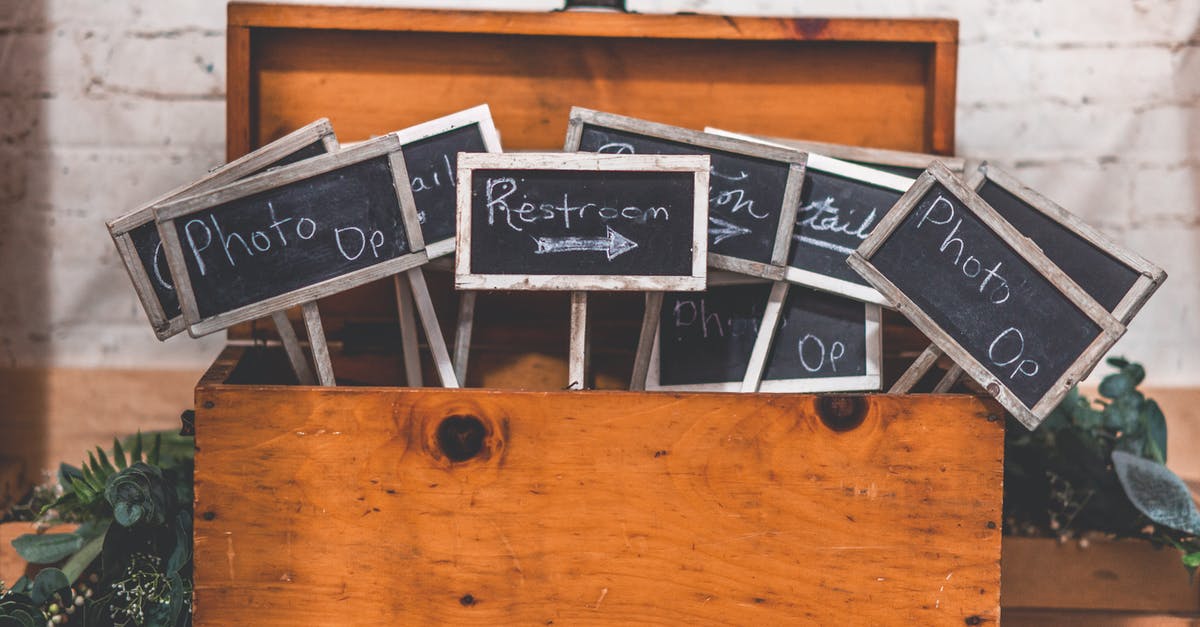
1119,279
985,295
431,155
840,204
754,189
824,342
136,235
899,162
291,235
559,221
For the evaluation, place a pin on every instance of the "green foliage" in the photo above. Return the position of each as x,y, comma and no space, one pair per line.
133,504
1098,466
19,610
138,494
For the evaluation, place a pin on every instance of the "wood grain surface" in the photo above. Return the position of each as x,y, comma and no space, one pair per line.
342,506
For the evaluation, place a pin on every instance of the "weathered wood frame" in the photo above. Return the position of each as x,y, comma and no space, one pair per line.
865,155
119,228
168,212
873,334
698,165
846,170
1110,328
480,115
1150,276
794,159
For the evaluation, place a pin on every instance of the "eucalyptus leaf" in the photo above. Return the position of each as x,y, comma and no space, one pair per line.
1116,385
1156,428
1118,362
1135,372
46,548
47,582
1157,492
182,552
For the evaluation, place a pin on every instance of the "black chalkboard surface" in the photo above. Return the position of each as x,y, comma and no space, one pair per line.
290,235
985,296
137,238
824,342
753,188
1118,279
840,205
581,222
431,160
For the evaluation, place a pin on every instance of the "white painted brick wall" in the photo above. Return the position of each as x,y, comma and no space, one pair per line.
106,104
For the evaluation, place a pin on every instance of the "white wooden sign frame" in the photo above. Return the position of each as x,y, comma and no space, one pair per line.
697,165
1110,328
794,159
869,156
1150,276
847,170
870,380
119,228
480,115
168,212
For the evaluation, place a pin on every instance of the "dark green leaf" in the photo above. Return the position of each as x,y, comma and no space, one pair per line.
136,455
66,472
1117,362
47,582
1122,415
1116,385
46,548
1135,372
155,450
182,553
94,472
83,491
119,454
1157,492
104,463
1156,428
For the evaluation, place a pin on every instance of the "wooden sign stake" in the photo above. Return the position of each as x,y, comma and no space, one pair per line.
408,333
577,368
919,367
316,340
291,345
433,331
948,380
650,320
766,336
462,335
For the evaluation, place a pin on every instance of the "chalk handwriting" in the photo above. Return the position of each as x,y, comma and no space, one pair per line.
156,262
971,266
442,174
694,313
499,208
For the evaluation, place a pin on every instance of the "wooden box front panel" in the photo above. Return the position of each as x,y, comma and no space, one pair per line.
342,507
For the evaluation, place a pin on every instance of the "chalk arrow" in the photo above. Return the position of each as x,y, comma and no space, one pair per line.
613,244
720,230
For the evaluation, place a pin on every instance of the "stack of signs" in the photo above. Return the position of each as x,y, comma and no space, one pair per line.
983,284
581,222
752,195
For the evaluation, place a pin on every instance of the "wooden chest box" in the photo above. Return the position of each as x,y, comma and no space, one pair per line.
371,503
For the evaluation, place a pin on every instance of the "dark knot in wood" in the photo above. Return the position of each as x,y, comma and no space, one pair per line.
461,437
841,413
